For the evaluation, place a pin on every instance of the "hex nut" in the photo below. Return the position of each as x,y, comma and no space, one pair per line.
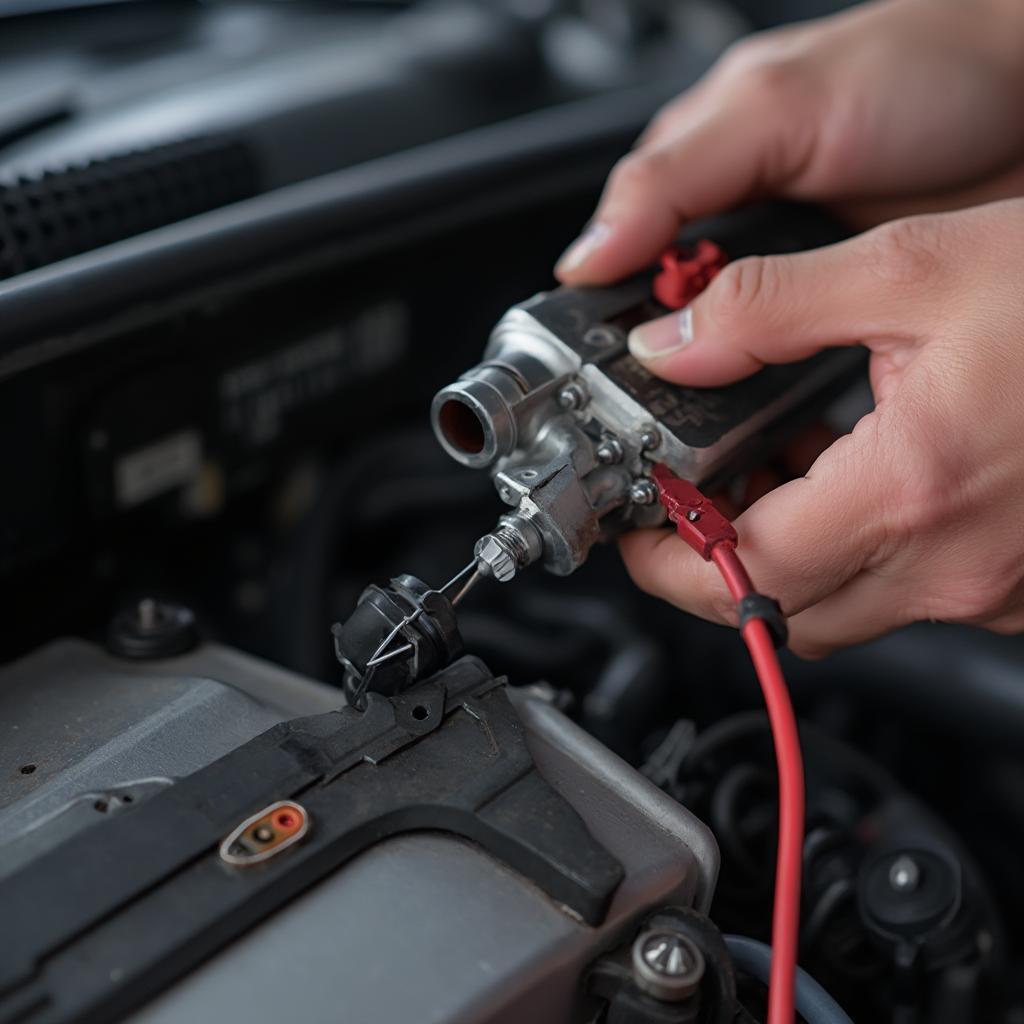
495,559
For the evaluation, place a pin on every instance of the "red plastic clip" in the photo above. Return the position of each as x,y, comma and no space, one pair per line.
697,520
686,273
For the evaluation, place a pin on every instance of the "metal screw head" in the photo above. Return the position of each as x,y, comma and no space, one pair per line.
572,397
494,559
693,515
904,874
152,629
643,492
650,438
667,965
603,336
609,451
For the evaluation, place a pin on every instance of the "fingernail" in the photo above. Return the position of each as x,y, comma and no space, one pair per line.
662,337
584,247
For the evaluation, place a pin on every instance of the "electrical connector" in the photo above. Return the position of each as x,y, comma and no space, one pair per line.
697,520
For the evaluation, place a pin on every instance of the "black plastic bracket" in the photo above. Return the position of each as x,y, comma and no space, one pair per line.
106,920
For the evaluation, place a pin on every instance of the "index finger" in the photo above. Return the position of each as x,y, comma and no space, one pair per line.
734,147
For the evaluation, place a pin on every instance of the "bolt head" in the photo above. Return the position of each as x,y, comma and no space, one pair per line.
667,965
603,336
572,397
609,451
650,438
693,515
643,492
904,874
495,560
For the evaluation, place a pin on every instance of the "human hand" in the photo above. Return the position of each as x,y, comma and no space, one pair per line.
892,107
919,512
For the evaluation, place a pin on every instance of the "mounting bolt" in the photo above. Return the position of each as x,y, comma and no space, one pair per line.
643,492
609,451
904,874
693,515
650,438
153,629
667,965
573,397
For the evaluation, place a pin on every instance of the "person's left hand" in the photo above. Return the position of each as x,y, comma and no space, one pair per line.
919,512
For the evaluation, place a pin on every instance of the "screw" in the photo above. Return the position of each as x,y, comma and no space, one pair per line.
667,965
148,612
693,515
643,492
603,336
904,874
573,397
609,451
264,833
152,629
650,438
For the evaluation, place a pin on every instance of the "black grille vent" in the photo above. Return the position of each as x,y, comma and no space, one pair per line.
65,212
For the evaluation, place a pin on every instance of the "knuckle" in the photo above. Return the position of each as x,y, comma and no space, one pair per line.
664,118
765,67
925,479
636,171
906,252
743,289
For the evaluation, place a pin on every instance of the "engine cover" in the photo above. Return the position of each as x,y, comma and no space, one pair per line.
423,926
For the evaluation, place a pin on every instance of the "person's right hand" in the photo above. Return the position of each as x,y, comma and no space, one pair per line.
894,107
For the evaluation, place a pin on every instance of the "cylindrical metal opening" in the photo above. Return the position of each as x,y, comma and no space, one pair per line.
473,422
461,427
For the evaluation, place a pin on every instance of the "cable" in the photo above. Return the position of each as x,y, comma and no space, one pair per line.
789,859
815,1005
714,538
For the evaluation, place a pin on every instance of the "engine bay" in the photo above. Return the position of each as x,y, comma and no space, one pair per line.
526,794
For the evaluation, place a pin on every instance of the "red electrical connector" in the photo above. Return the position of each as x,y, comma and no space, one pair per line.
686,273
714,538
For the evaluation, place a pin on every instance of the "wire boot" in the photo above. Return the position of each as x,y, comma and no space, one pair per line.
760,606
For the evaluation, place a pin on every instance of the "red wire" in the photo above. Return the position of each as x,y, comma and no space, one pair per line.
789,858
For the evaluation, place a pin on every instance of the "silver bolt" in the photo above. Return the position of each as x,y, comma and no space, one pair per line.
693,515
643,492
609,451
573,397
650,438
904,874
667,965
512,546
495,559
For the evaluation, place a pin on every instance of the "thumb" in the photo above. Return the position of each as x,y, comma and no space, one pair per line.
778,309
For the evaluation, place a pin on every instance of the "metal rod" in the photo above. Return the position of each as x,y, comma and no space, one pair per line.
470,570
474,578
